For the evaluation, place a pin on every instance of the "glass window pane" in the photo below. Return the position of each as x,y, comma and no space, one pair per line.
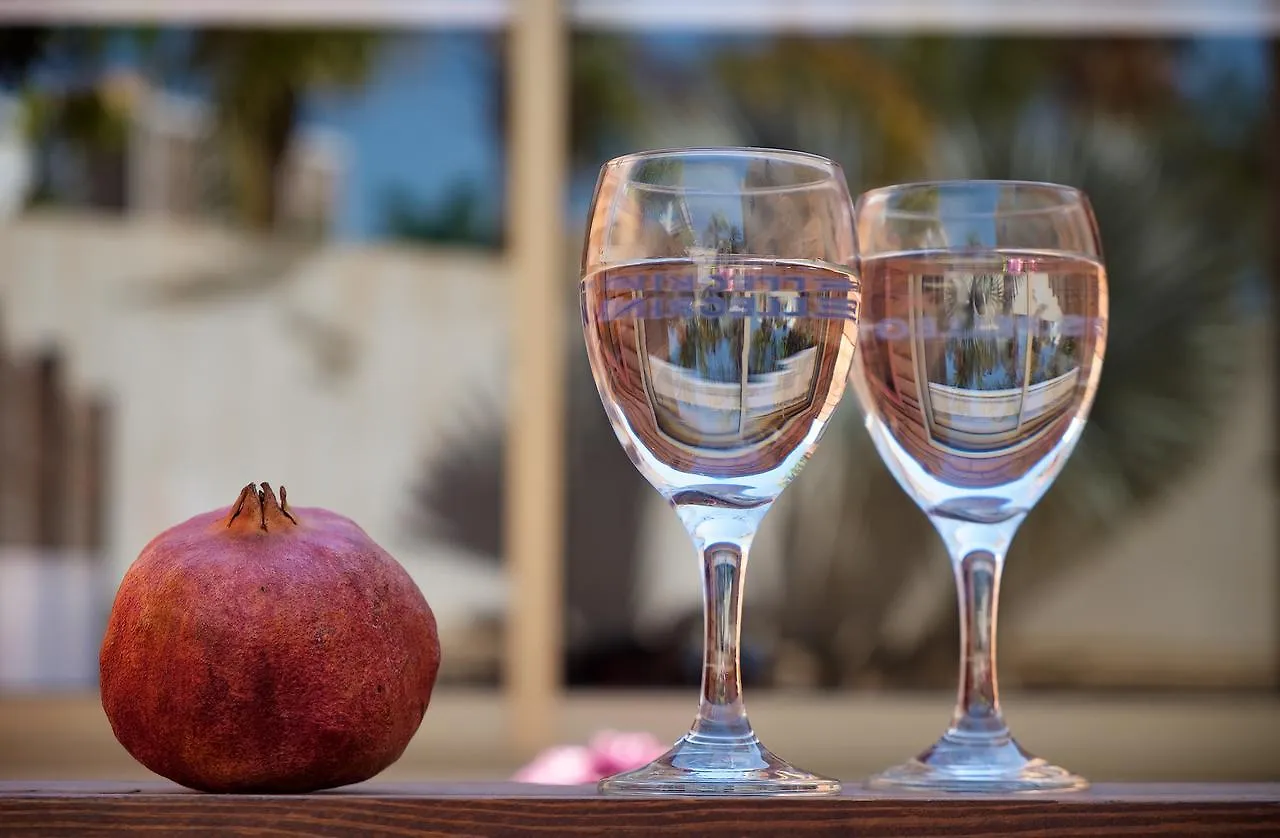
1150,564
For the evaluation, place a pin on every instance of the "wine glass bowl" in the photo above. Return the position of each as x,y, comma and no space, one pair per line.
719,307
982,334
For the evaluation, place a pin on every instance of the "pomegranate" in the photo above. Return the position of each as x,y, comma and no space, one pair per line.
266,649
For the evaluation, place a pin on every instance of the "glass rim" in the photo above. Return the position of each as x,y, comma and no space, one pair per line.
724,151
828,171
1077,198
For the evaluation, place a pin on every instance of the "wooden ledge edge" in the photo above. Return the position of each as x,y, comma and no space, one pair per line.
1145,793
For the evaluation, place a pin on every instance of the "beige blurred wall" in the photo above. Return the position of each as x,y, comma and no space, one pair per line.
1189,592
333,371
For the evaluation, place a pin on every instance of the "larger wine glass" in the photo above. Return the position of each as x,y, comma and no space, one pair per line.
719,305
981,342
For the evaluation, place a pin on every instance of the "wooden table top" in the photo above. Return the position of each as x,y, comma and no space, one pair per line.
510,809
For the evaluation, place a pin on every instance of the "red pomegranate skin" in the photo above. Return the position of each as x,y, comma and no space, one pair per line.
264,649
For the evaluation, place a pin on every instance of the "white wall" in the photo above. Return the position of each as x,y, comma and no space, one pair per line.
207,397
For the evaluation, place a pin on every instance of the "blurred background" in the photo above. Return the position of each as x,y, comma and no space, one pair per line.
236,248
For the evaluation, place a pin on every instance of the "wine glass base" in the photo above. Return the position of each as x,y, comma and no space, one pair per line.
956,766
696,767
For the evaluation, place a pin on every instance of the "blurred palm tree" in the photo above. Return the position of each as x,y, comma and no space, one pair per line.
259,80
818,95
869,599
1176,344
606,100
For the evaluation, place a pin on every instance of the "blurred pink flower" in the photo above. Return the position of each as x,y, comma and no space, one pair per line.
608,753
616,751
563,765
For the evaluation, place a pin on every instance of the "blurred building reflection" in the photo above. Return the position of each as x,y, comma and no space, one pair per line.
979,426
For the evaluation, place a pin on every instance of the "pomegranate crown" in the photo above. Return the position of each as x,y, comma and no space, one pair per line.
258,509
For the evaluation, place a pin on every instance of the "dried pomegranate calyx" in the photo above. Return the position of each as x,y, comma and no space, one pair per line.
258,509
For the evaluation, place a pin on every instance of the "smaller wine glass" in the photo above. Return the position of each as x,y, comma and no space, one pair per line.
983,327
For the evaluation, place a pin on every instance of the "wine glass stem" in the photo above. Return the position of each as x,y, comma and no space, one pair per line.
978,702
723,537
978,552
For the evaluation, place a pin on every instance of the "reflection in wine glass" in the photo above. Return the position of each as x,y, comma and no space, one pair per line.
983,328
719,309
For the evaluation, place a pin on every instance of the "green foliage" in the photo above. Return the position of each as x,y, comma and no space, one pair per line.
246,62
259,79
605,104
1175,347
457,220
87,119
